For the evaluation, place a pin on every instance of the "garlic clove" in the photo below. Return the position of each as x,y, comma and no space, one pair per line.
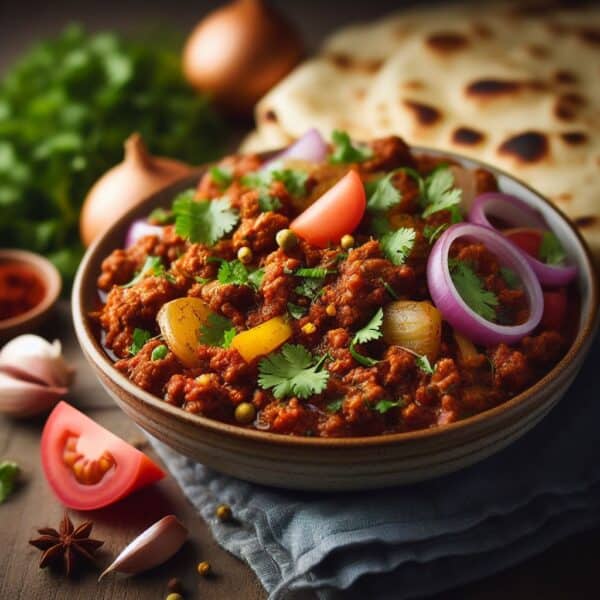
22,399
151,548
34,359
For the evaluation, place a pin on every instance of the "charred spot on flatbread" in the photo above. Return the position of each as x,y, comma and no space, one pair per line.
567,105
445,42
526,147
346,62
565,77
270,116
424,113
490,88
574,138
589,35
586,221
481,30
466,136
538,51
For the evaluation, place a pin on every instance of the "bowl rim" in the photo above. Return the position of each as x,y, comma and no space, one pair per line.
49,275
98,357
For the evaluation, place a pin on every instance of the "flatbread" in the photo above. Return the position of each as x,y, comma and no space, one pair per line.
516,87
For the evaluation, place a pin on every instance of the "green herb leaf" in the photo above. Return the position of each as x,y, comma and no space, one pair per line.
296,311
439,193
217,331
385,195
222,176
256,277
423,363
310,287
370,332
314,272
293,372
471,289
335,406
140,337
160,216
152,266
397,245
203,221
383,406
345,152
201,280
293,179
9,474
431,233
551,250
267,203
380,225
390,289
512,279
159,352
233,272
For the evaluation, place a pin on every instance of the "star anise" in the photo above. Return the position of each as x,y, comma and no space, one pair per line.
66,545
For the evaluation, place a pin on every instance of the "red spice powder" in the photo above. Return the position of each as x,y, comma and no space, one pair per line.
21,289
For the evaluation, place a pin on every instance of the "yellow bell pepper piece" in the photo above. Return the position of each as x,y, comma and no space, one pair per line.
262,339
179,322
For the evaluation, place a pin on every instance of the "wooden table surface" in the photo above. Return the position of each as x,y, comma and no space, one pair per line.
568,570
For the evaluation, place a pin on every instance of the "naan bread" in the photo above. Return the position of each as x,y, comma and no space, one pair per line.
517,88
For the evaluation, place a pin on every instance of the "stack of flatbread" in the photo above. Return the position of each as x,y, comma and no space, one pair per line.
517,87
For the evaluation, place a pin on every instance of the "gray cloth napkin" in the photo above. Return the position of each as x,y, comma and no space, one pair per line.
412,541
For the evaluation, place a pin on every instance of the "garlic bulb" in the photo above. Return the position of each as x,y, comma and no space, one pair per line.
151,548
23,399
32,358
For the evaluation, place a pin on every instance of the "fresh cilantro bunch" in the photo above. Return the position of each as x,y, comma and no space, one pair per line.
344,151
471,289
65,109
203,221
236,273
293,371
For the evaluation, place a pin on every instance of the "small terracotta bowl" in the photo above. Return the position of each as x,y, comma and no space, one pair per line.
49,275
342,463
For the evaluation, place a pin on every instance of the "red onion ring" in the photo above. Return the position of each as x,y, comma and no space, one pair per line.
311,147
515,212
140,228
456,311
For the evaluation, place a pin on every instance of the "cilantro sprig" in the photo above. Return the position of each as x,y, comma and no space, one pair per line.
383,194
438,193
9,474
384,406
217,330
139,338
471,289
203,221
369,333
222,176
236,273
294,181
345,152
551,250
152,266
293,371
397,245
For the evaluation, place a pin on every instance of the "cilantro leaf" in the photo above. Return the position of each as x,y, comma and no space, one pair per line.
512,279
380,225
217,331
370,332
423,363
257,179
161,216
389,289
159,352
293,179
203,221
397,245
471,289
345,152
222,176
9,473
314,272
256,277
384,195
334,406
296,311
293,372
383,406
233,272
439,193
140,337
152,266
551,250
267,203
431,234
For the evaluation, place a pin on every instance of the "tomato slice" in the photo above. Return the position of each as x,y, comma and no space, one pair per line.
555,309
337,212
529,240
87,466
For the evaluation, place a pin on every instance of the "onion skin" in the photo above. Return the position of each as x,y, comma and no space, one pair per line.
22,399
239,52
456,311
311,148
413,325
126,185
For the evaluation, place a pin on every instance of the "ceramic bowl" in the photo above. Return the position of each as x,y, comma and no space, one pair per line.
346,463
33,318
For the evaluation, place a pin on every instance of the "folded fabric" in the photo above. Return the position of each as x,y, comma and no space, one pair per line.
415,540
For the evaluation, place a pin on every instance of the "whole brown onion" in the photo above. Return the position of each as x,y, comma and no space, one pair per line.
125,185
239,52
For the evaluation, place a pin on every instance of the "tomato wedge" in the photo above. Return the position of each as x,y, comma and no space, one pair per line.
529,240
87,466
337,212
555,309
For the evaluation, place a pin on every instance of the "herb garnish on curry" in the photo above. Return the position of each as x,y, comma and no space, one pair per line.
344,290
